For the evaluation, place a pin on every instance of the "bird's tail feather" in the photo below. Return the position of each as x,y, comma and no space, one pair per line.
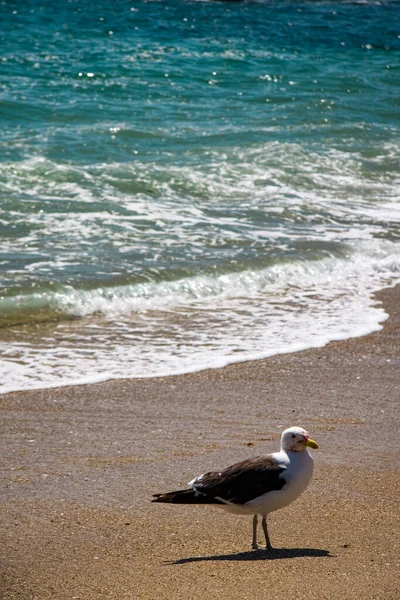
185,497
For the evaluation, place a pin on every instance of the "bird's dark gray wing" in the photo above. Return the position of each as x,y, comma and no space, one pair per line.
242,481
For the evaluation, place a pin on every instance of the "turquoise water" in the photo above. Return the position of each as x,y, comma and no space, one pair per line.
189,184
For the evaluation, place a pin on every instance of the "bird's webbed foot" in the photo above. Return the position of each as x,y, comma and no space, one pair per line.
258,547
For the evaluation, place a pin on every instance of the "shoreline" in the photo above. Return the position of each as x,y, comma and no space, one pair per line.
225,361
79,466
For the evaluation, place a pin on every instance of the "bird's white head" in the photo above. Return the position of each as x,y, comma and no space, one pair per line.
296,439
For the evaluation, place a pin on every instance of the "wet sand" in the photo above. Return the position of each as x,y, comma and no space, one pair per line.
79,466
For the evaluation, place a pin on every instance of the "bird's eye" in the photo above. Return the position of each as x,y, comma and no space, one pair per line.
293,435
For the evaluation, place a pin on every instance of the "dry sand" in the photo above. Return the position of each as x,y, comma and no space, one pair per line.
79,465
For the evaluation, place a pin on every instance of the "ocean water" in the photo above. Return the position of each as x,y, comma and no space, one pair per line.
187,184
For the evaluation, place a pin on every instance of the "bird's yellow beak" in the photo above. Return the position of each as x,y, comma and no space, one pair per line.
311,444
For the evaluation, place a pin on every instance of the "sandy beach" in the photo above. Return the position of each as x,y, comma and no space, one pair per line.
79,466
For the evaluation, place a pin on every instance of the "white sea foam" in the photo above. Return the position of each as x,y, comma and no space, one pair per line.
270,259
371,263
201,323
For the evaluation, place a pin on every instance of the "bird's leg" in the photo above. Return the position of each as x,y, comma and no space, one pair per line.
265,529
254,544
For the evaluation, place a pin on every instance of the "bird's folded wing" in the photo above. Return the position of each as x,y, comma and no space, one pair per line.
242,481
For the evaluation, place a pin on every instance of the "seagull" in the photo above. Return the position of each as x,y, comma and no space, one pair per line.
256,486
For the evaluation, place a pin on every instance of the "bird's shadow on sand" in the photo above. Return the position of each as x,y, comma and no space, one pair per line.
255,555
